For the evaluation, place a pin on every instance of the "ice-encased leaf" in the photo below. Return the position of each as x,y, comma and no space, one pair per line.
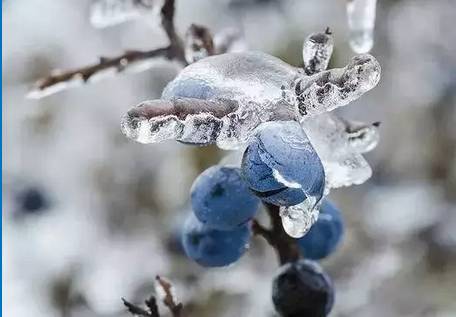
344,165
104,13
361,22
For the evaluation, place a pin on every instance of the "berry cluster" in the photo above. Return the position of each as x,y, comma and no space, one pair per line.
293,152
280,168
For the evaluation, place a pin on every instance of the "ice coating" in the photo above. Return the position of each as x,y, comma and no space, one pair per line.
262,87
298,219
343,164
316,52
246,76
187,120
104,13
328,90
361,22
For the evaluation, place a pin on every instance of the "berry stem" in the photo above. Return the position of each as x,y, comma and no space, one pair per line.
284,245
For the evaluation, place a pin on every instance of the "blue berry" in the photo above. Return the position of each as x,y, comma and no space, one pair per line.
32,200
302,289
281,166
325,235
221,199
213,248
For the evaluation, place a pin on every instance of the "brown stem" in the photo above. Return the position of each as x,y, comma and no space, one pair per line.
119,63
284,245
167,22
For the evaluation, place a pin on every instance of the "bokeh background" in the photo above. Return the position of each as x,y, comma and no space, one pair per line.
90,217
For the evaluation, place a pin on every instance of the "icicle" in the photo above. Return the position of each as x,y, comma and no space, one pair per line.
361,21
297,220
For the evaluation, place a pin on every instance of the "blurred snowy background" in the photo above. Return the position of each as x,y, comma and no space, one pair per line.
90,216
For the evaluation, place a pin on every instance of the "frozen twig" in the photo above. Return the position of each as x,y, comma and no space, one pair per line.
169,300
129,60
164,290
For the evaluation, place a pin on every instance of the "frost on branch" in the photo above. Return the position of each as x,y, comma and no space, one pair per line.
131,60
361,22
263,87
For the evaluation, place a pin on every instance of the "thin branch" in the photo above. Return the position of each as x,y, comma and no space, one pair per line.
284,245
167,20
49,85
60,81
176,309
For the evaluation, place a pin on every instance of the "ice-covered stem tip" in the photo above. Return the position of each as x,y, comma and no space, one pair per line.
165,291
317,51
198,43
285,246
328,90
131,60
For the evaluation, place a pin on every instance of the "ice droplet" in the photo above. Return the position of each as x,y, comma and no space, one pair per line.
361,22
298,219
104,13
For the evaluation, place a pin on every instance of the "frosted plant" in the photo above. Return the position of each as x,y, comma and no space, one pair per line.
239,91
223,99
361,22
